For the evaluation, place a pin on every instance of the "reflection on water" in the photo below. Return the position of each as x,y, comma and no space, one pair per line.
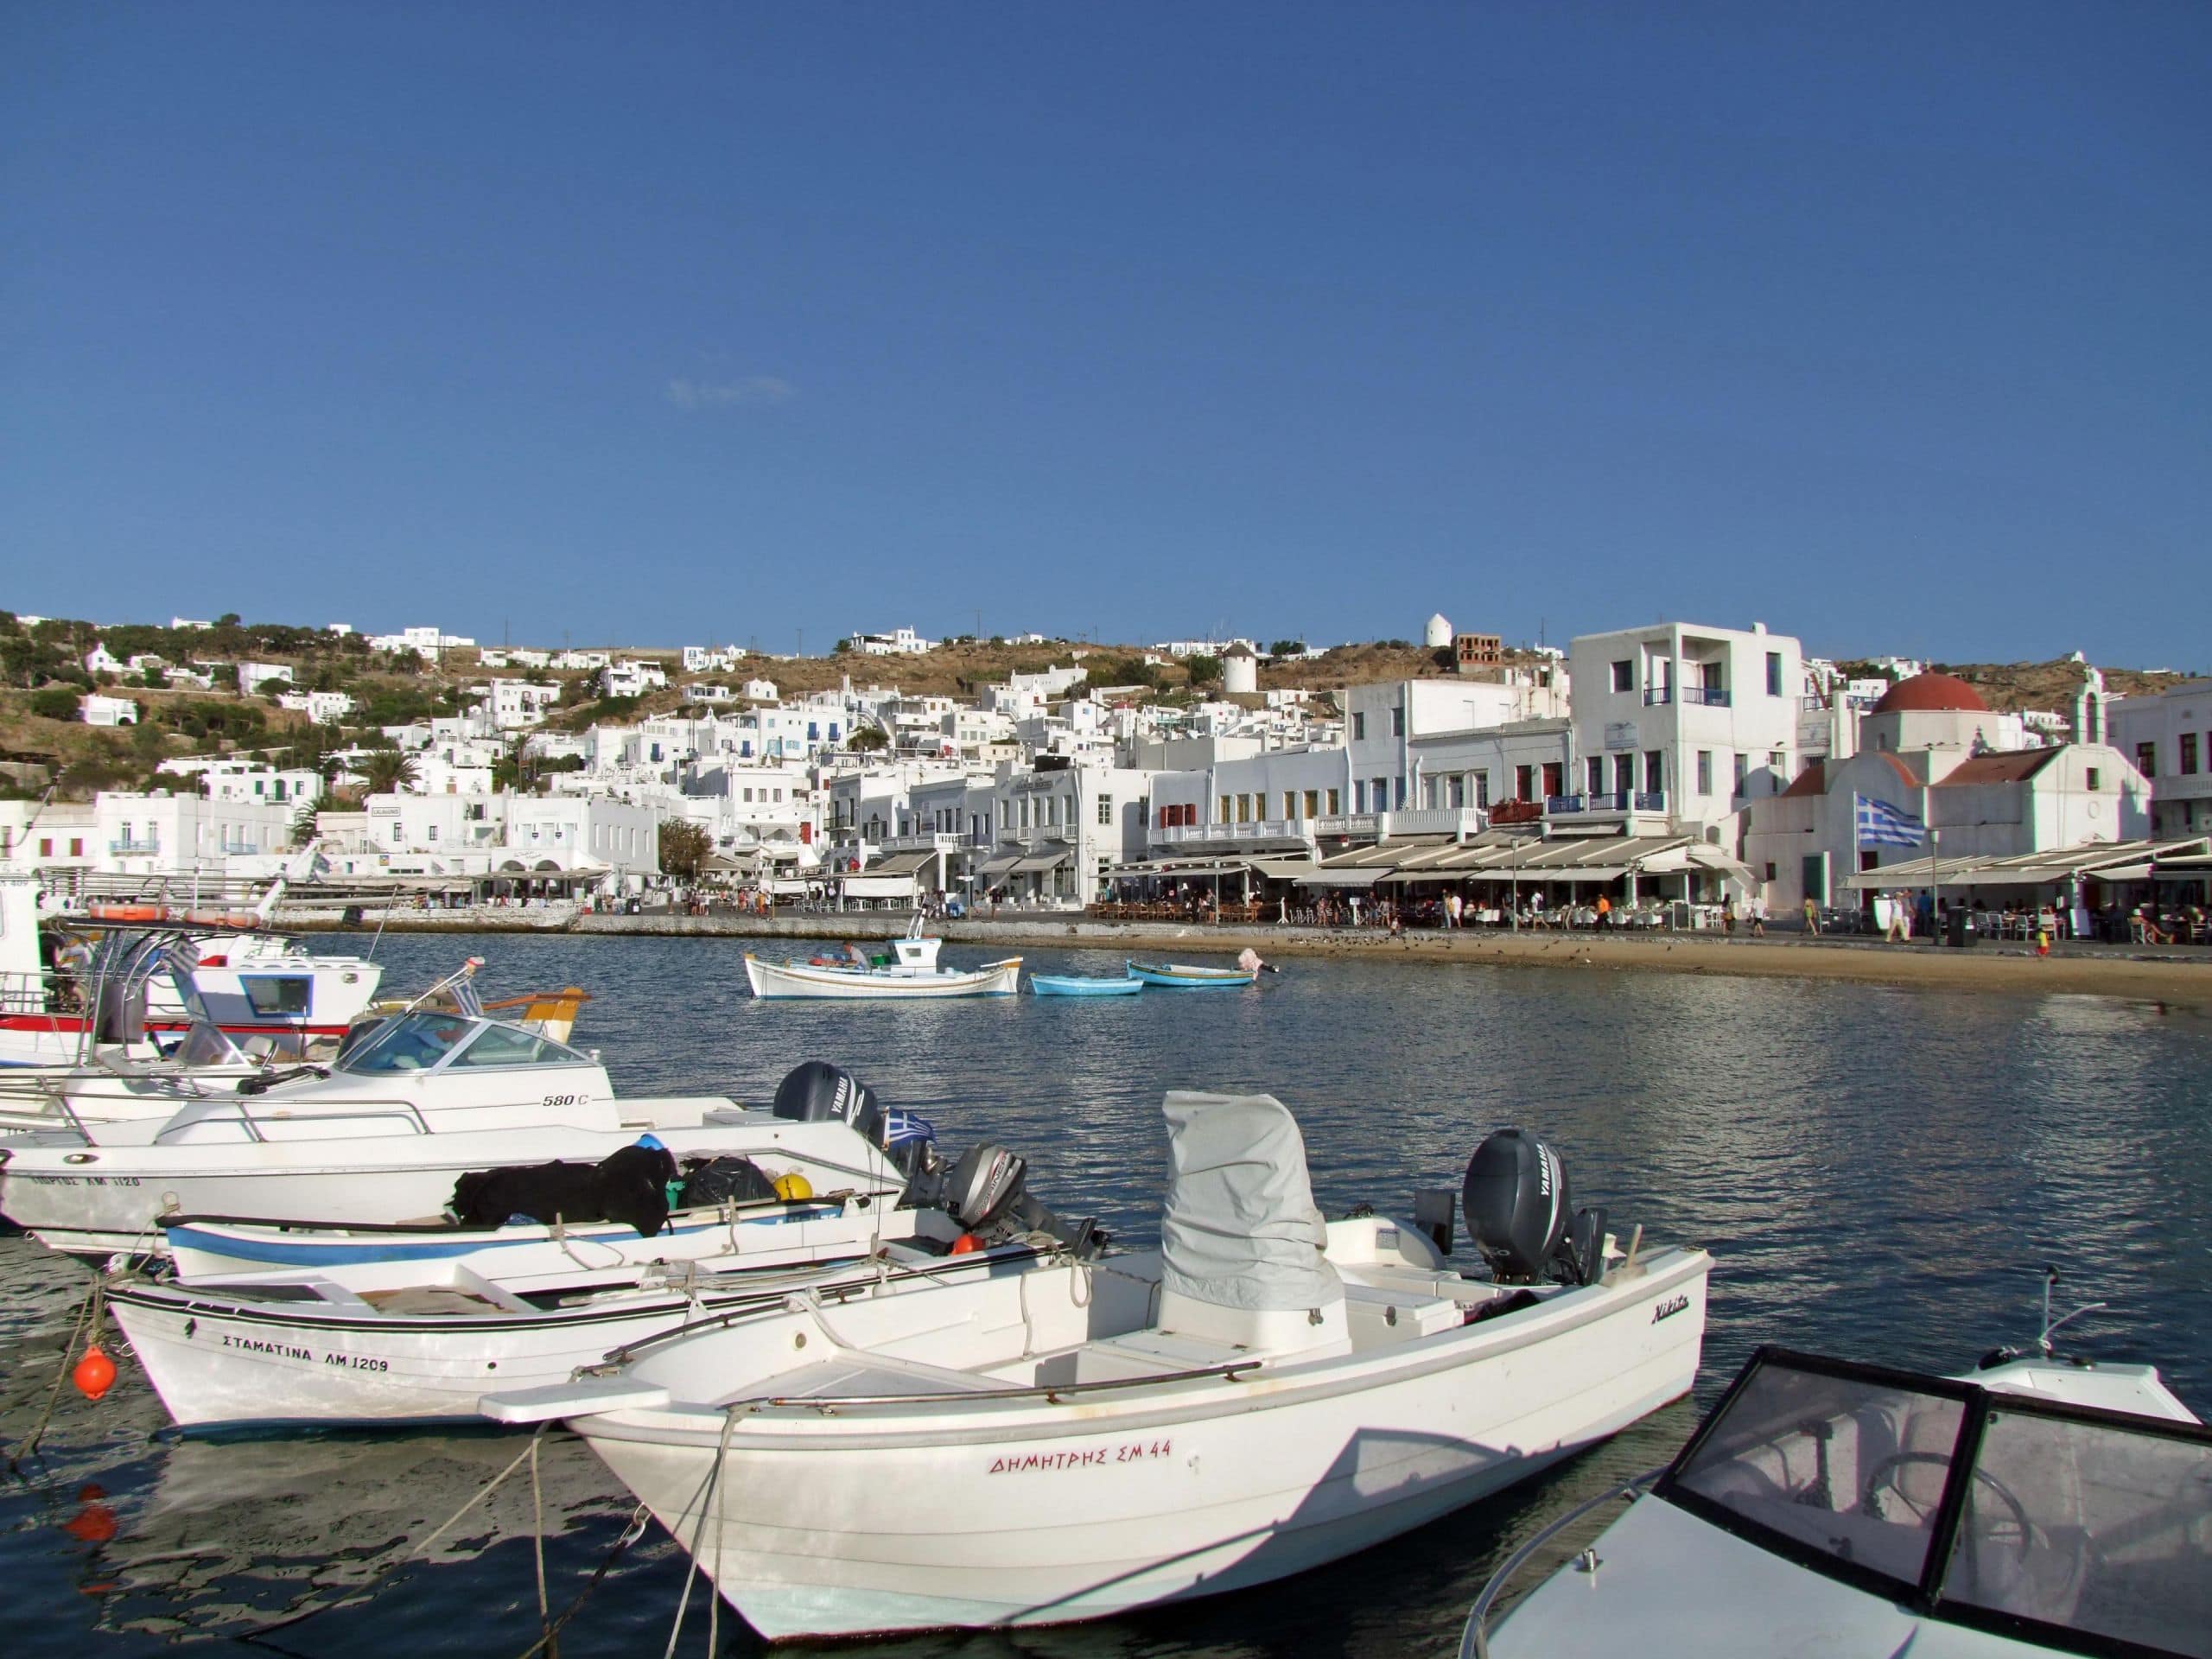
1879,1172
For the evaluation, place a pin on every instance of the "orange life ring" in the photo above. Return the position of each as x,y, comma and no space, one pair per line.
126,912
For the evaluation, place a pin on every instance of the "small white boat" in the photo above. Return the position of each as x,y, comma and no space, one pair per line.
393,1344
1185,976
1824,1508
369,1337
1265,1394
908,969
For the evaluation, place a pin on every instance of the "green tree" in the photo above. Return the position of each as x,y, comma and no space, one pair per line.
387,772
684,848
1201,669
303,824
867,740
54,702
1287,648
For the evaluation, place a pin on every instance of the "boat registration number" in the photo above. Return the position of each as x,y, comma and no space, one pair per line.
1044,1463
280,1348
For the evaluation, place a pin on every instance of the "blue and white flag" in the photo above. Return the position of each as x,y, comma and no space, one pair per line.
1879,824
899,1128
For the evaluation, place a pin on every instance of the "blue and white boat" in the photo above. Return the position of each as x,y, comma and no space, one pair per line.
1076,985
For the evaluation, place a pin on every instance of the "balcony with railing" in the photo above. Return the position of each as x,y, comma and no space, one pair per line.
1616,801
1461,820
127,847
1233,834
943,841
1712,697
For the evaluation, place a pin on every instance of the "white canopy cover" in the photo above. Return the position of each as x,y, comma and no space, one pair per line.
1241,1229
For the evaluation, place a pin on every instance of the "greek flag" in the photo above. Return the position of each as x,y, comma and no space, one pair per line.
899,1128
1880,824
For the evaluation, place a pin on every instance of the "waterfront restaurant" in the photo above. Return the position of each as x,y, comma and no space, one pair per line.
2091,888
1674,878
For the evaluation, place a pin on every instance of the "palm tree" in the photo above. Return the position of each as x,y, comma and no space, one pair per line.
387,772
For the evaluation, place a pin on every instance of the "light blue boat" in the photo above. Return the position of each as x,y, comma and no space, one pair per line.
1069,985
1180,976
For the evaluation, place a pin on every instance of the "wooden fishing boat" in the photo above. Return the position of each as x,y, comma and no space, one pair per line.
1076,985
1184,977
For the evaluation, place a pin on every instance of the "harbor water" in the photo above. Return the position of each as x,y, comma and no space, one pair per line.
1879,1173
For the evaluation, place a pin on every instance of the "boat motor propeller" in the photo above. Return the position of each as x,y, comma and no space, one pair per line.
1521,1214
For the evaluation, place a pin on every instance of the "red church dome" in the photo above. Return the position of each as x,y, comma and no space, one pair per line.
1932,691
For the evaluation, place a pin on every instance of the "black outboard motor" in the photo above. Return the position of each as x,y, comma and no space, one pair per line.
1521,1214
986,1192
818,1091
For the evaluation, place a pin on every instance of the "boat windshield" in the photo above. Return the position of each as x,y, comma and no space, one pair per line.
2074,1527
412,1042
206,1045
420,1041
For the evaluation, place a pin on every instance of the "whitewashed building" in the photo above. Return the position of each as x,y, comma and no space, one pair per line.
899,642
1697,721
323,708
97,708
2169,737
1928,749
630,676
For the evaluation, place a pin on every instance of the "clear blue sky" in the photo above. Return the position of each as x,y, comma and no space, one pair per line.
1891,327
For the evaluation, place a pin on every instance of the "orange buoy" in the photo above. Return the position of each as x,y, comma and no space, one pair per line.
95,1373
126,912
966,1244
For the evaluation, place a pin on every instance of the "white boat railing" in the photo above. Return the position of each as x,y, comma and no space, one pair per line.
1051,1393
380,1110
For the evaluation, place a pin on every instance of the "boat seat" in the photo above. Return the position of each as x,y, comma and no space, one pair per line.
1152,1352
1376,1314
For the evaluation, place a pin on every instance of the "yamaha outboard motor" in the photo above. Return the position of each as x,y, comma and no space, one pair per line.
986,1192
1521,1214
818,1091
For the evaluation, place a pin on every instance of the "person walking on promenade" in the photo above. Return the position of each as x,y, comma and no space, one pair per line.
1812,918
1899,930
1758,918
1604,912
1728,914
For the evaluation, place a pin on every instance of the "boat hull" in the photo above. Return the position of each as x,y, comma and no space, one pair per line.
1176,977
102,1200
1059,985
220,1360
773,981
833,1524
200,1247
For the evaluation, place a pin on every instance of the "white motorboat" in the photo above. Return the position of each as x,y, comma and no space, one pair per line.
131,1080
384,1134
268,992
1264,1394
908,969
2031,1507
